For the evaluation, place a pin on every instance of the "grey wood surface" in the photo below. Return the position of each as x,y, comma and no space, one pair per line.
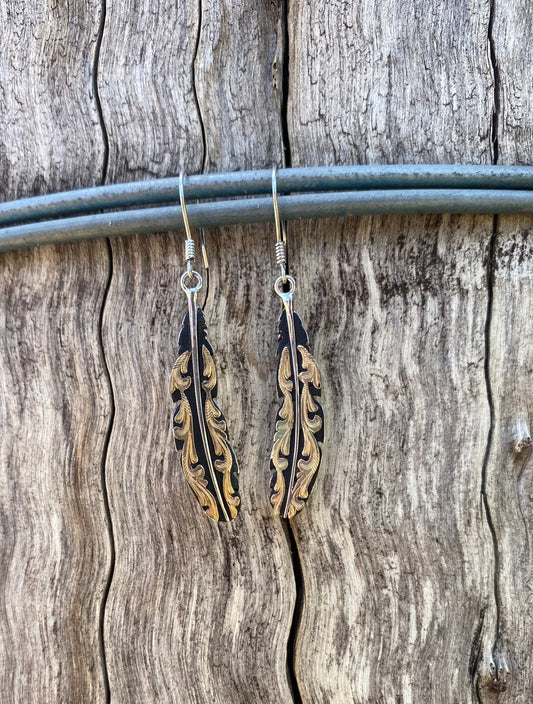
49,118
399,536
54,406
407,577
510,354
55,399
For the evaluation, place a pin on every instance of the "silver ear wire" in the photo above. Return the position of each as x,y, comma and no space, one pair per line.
281,234
190,250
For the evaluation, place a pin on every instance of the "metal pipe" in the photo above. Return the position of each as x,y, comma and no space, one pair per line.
251,183
231,212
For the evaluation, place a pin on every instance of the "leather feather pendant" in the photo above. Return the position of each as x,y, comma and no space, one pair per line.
200,431
296,450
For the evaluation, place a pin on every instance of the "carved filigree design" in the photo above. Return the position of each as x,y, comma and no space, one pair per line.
183,430
217,428
284,429
311,423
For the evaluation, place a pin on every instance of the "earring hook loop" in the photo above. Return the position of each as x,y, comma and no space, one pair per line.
190,254
189,238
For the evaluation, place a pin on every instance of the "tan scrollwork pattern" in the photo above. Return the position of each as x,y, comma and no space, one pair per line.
310,460
217,428
183,430
284,428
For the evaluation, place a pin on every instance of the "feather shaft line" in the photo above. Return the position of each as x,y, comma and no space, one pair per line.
193,321
287,303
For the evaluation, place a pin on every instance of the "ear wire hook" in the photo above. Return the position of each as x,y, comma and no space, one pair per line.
281,234
190,250
188,230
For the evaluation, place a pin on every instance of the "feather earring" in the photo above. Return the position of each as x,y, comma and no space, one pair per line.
199,427
296,451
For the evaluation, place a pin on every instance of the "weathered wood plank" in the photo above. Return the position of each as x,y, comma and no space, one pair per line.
238,79
509,480
389,82
238,73
54,409
146,88
50,135
196,612
508,474
55,406
396,518
395,534
155,600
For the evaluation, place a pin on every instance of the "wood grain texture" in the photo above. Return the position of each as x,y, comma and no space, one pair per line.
395,535
54,403
238,81
50,136
152,125
513,56
389,82
412,591
146,88
394,539
508,474
238,72
196,612
54,409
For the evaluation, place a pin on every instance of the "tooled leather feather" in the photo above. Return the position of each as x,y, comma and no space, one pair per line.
296,451
209,467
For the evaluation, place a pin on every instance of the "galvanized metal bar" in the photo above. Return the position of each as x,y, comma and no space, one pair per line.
231,212
252,183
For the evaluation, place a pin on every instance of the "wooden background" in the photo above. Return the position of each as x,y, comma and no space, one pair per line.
408,577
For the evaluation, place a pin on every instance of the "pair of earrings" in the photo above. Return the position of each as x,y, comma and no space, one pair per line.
200,429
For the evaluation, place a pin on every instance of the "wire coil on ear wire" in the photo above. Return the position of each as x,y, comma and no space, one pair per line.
190,250
281,256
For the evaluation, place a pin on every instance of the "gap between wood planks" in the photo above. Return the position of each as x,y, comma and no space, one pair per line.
477,643
496,654
289,532
105,494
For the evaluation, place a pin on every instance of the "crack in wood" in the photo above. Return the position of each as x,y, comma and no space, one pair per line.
105,494
293,547
496,678
490,282
285,77
195,93
475,650
296,614
96,66
496,73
